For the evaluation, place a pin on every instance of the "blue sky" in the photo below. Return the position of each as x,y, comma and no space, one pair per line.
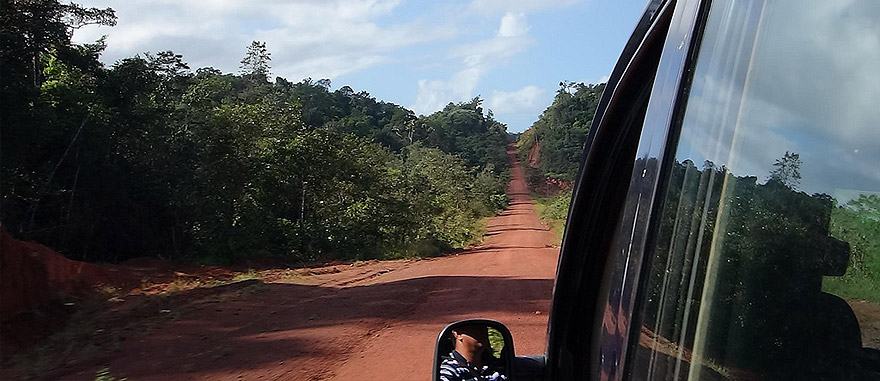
418,54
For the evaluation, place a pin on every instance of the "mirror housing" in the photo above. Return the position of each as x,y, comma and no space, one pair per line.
489,334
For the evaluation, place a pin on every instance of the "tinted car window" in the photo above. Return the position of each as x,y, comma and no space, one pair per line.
765,262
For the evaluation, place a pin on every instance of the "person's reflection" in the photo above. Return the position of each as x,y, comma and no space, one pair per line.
471,358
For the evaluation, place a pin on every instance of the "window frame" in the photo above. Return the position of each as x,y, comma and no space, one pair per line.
670,144
587,268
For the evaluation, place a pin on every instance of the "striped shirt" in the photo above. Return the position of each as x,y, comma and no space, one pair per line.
456,368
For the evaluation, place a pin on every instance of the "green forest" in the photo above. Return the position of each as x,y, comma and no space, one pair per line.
149,157
559,134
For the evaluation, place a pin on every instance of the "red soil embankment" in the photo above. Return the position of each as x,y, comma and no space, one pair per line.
34,281
32,274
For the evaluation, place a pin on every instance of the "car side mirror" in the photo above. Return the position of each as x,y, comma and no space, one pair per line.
474,348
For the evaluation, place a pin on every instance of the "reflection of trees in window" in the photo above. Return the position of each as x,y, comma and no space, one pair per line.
769,252
787,170
858,222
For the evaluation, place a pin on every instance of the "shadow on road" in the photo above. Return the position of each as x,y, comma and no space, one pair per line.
277,322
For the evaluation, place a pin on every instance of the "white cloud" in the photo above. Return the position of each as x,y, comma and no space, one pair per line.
525,100
824,94
319,39
434,95
477,59
809,91
499,6
513,25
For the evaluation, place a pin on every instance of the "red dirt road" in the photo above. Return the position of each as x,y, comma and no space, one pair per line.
374,320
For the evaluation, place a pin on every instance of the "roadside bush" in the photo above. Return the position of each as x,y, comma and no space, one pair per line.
857,223
558,208
447,198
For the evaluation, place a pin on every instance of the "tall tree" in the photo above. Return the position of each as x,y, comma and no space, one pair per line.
255,63
463,129
46,95
787,170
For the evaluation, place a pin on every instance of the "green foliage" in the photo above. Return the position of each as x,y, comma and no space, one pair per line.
255,63
525,143
858,223
489,190
558,208
553,210
496,341
443,196
562,130
787,170
148,158
463,130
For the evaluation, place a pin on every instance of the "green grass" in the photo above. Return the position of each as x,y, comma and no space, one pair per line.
853,285
553,210
185,284
479,231
250,274
856,223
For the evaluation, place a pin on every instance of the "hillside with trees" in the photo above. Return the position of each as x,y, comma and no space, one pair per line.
558,136
148,157
553,146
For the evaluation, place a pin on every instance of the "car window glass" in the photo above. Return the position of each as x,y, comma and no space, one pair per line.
765,262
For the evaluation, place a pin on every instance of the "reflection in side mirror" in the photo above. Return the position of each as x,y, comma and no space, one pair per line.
473,349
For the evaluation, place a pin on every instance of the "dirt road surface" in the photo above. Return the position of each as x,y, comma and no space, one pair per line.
376,320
